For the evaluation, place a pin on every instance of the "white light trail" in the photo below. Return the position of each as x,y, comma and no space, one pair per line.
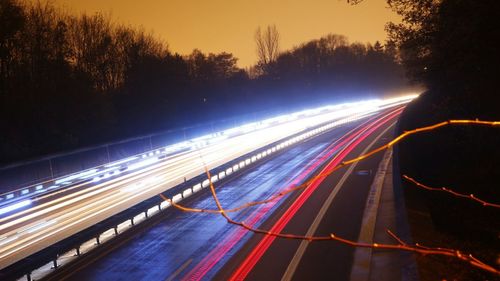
142,164
83,207
15,206
121,162
76,176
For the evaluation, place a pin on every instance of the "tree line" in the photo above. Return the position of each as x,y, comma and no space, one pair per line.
68,80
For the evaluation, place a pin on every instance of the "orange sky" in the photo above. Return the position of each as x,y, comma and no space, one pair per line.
229,25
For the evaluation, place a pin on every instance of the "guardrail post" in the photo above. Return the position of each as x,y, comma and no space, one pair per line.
116,230
146,214
54,263
132,221
107,153
51,170
98,242
28,276
78,251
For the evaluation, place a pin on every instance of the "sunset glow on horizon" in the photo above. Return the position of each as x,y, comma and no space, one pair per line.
229,26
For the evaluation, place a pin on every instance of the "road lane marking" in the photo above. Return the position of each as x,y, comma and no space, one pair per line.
258,251
179,270
292,266
362,256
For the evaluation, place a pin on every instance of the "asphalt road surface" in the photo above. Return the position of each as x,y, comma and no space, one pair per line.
335,206
52,217
201,246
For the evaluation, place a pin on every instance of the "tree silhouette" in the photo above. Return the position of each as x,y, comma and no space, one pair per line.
12,21
68,81
267,45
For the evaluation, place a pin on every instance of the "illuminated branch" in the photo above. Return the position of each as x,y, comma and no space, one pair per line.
444,189
343,164
417,248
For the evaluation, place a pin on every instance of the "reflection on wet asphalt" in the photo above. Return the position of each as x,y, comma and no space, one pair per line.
180,244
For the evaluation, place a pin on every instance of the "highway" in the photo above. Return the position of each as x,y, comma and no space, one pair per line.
55,216
50,217
332,205
201,246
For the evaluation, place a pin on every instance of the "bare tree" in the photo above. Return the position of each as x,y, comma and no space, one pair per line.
267,43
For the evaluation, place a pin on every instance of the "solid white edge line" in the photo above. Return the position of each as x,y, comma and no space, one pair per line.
294,263
361,266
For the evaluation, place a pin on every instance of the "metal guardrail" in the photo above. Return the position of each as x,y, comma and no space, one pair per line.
47,174
62,171
32,176
63,252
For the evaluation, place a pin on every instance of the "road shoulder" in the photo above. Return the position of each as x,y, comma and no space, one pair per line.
382,213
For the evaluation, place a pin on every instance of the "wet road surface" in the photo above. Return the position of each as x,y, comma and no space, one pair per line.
198,245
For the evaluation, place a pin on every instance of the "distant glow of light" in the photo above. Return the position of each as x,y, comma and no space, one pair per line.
142,163
15,206
301,119
217,139
340,110
177,146
121,162
402,98
243,129
203,138
76,176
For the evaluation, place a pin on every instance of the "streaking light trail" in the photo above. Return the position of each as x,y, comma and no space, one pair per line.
14,206
112,193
